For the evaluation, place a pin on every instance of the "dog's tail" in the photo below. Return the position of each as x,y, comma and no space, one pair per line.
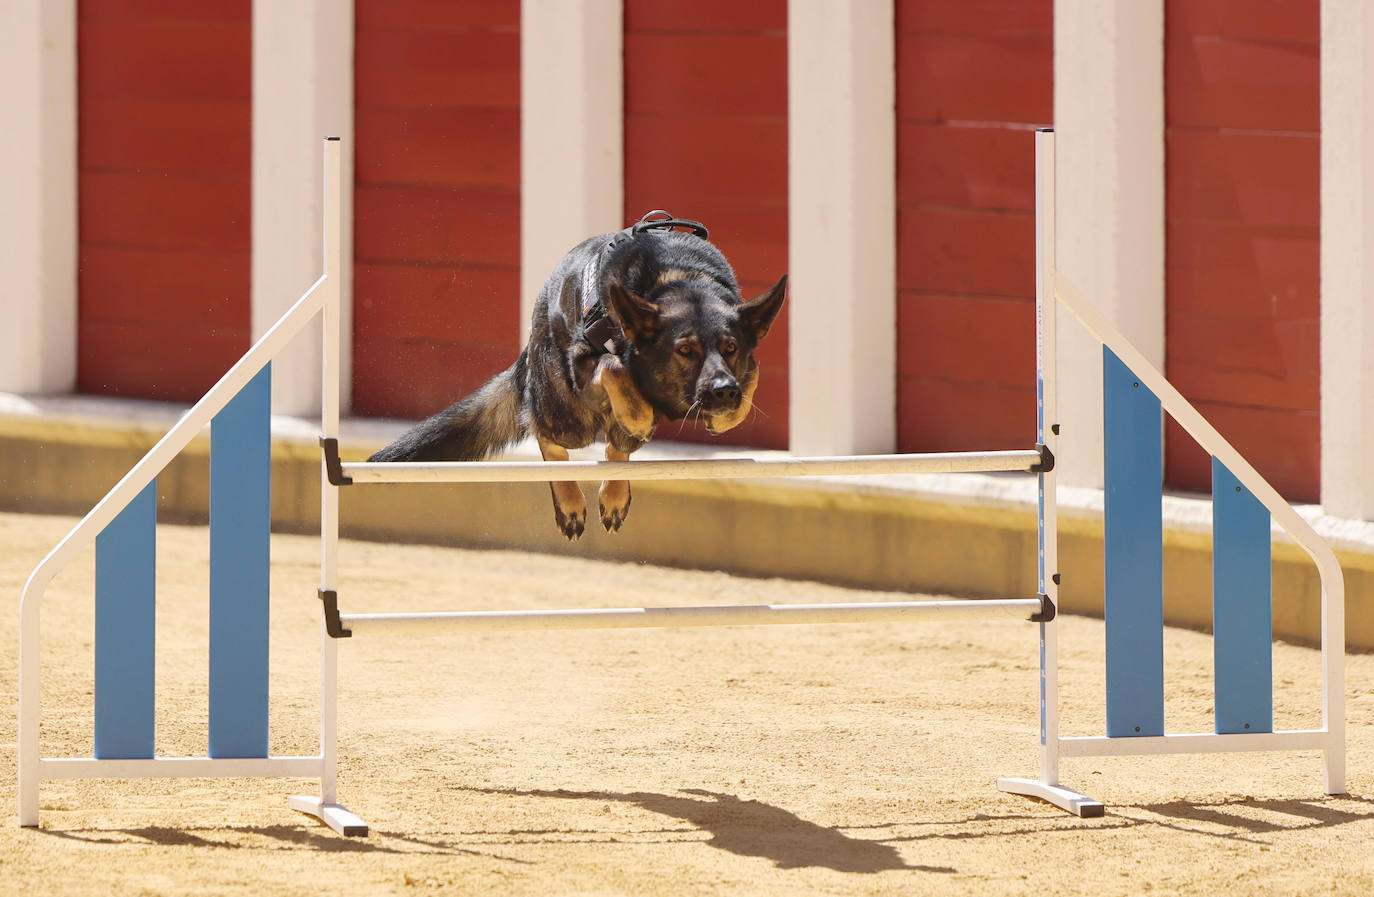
471,428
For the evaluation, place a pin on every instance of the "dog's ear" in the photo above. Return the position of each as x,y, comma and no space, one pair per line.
758,313
637,316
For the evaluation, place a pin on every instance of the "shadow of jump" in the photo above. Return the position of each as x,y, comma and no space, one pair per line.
753,829
1233,819
307,836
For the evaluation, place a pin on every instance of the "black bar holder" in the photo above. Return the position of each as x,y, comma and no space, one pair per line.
332,465
333,624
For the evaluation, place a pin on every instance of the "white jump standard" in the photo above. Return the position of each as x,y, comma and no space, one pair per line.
237,408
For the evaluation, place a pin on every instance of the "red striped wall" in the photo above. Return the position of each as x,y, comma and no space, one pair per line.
164,167
974,80
437,201
706,138
164,162
1243,228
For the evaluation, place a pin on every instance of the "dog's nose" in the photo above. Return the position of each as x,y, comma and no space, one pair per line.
723,390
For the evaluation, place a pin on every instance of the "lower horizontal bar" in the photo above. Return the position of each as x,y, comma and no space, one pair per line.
680,617
1201,743
688,469
181,767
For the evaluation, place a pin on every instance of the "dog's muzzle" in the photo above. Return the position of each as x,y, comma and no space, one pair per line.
719,394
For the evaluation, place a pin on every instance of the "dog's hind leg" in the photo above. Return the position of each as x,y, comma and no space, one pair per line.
720,423
632,411
569,506
614,497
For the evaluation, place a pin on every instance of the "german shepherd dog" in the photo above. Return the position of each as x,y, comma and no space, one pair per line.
630,327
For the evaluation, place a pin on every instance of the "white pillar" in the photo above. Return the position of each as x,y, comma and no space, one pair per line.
842,228
1347,259
38,229
1109,124
302,93
571,133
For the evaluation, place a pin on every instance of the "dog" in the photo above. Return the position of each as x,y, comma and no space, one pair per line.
629,328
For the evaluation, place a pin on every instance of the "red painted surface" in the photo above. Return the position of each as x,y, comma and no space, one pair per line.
164,161
706,138
436,203
974,80
1243,228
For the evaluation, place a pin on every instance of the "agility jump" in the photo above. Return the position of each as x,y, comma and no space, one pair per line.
237,409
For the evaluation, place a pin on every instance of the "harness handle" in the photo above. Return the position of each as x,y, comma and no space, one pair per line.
652,221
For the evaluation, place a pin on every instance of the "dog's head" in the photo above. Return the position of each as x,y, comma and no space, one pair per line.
693,342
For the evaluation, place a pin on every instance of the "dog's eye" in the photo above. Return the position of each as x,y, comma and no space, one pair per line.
686,350
728,347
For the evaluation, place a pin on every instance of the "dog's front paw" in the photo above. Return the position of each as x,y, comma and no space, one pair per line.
635,416
572,525
614,503
569,510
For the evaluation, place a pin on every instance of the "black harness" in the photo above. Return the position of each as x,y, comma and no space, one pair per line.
598,327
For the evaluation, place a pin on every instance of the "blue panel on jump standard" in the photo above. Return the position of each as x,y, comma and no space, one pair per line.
1133,531
1242,610
125,610
240,532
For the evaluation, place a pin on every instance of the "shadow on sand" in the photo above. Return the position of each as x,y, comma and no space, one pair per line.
751,828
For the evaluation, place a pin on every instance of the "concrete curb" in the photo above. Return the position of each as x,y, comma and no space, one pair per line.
962,534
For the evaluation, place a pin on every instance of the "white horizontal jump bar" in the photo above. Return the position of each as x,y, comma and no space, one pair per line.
185,767
1195,743
681,617
688,469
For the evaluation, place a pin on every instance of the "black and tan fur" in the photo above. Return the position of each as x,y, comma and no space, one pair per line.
680,343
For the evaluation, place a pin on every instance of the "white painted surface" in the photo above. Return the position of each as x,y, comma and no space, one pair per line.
334,815
302,92
571,133
1347,259
331,394
685,617
1109,124
841,227
1047,431
1197,743
1282,513
685,469
179,767
323,295
118,498
38,232
1064,798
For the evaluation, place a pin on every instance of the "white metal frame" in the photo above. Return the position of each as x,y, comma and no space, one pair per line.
32,766
323,297
1332,733
326,806
1053,288
1047,786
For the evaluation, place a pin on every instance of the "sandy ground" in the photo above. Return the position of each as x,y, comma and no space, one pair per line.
783,760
